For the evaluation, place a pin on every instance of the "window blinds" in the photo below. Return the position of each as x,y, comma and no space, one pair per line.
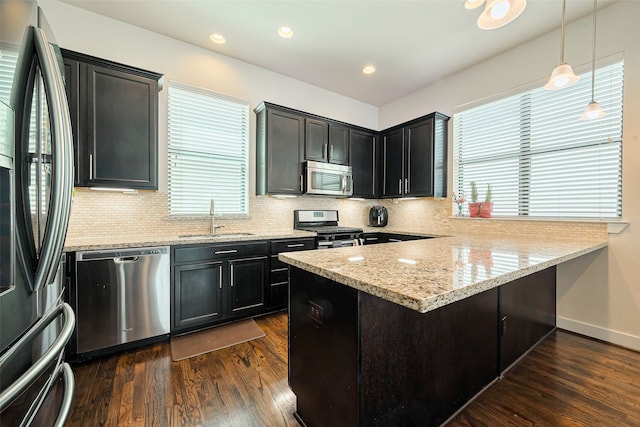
208,152
540,159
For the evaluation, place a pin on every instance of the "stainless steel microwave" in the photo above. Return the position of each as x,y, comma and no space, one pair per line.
328,179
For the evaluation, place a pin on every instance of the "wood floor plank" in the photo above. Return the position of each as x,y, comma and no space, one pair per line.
568,380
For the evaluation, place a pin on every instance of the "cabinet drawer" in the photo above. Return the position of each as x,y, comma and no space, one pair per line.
291,245
279,276
206,252
276,264
279,295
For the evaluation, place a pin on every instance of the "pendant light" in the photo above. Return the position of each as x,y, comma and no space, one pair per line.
593,110
498,13
562,76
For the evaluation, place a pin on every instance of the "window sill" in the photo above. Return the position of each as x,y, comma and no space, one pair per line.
613,226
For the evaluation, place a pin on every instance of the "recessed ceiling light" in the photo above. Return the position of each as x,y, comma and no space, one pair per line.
368,69
218,38
285,32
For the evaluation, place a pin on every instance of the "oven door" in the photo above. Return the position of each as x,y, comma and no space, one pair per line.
327,179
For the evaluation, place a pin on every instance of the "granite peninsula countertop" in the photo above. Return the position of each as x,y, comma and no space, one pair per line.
426,274
91,243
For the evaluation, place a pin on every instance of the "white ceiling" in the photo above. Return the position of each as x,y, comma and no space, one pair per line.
412,43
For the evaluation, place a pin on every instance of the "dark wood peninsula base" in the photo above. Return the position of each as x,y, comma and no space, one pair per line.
358,360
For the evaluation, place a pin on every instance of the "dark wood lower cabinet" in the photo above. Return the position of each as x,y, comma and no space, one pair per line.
197,293
217,283
527,314
246,284
358,360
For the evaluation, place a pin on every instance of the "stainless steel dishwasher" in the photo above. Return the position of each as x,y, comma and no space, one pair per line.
122,296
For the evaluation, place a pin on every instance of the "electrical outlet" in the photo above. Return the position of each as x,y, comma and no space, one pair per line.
316,312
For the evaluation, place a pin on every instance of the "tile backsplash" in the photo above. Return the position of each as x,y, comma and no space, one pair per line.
104,214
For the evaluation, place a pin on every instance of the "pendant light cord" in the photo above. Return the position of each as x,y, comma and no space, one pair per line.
564,6
593,55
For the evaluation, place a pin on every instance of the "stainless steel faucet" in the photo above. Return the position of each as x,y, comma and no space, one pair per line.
213,223
212,214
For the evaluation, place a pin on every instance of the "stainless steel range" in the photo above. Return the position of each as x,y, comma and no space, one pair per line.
325,224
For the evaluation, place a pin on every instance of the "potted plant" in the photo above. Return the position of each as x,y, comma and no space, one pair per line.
486,207
474,205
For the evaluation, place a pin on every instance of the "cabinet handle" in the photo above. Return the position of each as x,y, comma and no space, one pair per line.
400,186
331,151
406,185
231,284
324,151
301,183
296,245
230,251
220,277
90,166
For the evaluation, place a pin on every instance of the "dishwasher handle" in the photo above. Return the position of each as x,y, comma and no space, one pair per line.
126,259
123,254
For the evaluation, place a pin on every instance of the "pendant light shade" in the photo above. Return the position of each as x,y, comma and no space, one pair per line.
562,76
498,13
593,110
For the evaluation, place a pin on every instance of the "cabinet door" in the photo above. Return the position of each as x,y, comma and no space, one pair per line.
338,144
285,136
316,140
197,295
72,85
392,159
362,147
122,115
418,179
247,278
527,314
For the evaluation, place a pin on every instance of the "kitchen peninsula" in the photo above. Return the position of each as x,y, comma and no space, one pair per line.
407,333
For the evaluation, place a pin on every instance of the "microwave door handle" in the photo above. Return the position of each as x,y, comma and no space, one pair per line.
62,170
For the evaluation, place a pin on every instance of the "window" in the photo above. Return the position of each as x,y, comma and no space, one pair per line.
540,159
208,152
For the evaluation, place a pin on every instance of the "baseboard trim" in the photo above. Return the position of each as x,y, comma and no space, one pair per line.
622,339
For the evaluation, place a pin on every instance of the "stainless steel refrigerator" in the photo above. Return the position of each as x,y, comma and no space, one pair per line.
36,180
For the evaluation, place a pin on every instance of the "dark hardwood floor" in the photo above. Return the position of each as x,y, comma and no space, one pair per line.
568,380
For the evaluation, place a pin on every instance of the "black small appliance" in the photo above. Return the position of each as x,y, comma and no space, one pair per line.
378,216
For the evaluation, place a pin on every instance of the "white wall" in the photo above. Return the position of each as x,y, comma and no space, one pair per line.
598,295
86,32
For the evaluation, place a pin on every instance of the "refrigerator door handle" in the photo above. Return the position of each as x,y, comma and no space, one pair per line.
62,171
10,393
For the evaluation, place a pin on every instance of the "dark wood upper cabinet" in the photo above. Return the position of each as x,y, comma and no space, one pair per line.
392,163
407,160
414,158
326,142
280,137
116,131
364,157
316,140
338,144
418,161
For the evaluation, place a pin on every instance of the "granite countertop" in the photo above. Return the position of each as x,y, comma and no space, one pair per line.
426,274
113,242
